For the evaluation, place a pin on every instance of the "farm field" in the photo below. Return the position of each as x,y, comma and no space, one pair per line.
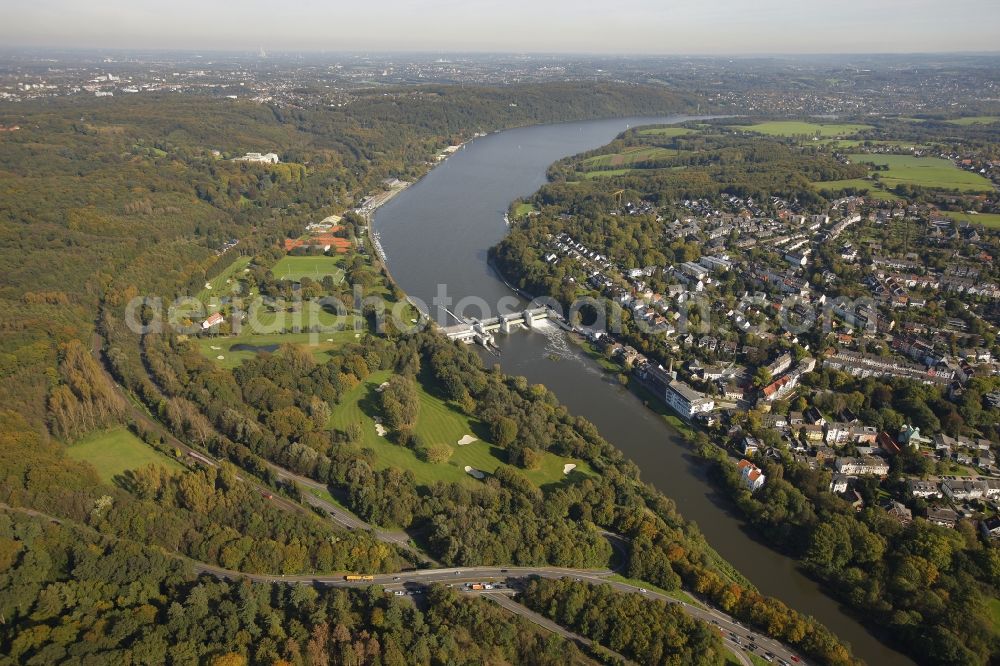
295,268
221,284
859,184
115,451
799,128
437,423
991,220
667,131
631,155
319,344
931,172
976,120
854,143
609,173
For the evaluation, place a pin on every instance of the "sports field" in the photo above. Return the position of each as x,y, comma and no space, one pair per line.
800,128
933,172
115,451
437,423
295,268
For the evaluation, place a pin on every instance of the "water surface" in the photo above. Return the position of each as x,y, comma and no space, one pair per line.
436,235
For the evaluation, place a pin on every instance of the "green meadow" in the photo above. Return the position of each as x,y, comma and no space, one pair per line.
222,284
976,120
991,220
320,345
858,184
667,131
801,128
438,423
932,172
629,156
114,451
523,208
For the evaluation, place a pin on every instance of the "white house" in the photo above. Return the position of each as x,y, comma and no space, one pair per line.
752,477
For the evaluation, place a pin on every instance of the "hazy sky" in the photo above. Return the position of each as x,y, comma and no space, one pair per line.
579,26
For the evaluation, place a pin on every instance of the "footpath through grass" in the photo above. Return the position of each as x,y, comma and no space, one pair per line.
438,423
115,451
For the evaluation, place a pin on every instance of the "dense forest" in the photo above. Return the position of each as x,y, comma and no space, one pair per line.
67,594
102,203
649,633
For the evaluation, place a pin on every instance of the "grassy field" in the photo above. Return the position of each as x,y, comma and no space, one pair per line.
319,344
976,120
629,156
667,131
798,128
994,607
931,172
221,284
437,423
269,318
854,143
295,268
857,183
117,450
991,220
523,208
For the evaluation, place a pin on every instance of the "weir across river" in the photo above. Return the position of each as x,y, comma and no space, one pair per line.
481,331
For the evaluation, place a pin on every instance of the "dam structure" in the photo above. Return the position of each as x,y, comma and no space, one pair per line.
480,331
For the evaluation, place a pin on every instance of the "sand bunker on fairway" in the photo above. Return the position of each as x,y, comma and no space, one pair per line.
467,439
472,471
568,467
380,429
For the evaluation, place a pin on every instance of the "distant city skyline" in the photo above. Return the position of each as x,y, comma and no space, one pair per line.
695,27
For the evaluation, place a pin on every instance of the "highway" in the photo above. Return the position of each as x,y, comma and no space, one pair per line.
736,637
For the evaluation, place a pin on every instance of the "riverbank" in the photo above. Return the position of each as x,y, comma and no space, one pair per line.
455,213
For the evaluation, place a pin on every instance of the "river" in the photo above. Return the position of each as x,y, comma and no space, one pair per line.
436,235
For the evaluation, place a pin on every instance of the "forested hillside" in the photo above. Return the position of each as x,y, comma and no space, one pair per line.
105,200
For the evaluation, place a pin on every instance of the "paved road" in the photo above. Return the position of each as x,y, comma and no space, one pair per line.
342,516
544,622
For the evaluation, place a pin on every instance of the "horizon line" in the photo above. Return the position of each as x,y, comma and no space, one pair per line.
275,52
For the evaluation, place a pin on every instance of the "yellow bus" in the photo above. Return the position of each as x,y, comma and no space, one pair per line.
359,577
